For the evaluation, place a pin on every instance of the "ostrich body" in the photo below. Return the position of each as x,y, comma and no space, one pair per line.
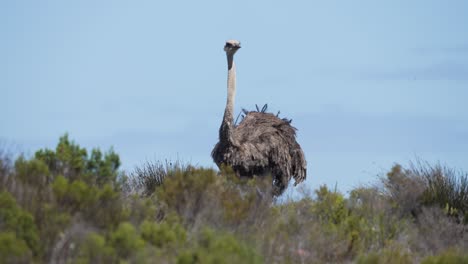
262,144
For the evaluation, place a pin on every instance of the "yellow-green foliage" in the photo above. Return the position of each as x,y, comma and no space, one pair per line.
164,234
185,189
73,162
95,250
32,172
371,221
18,223
70,205
126,240
329,206
219,248
76,195
138,209
241,200
13,249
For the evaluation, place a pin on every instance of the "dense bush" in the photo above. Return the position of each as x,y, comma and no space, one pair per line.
18,234
218,248
69,205
13,249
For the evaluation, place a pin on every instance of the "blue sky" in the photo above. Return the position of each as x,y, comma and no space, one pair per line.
367,83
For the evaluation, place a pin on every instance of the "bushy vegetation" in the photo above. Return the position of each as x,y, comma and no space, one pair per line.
69,205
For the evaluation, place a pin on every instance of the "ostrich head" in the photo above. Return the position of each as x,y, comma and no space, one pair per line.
231,46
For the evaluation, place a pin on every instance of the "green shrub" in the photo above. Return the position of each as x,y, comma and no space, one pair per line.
126,240
74,196
189,192
103,168
95,250
50,223
100,205
163,234
74,206
372,221
32,172
140,209
107,208
68,159
60,187
329,206
13,250
219,248
19,222
73,162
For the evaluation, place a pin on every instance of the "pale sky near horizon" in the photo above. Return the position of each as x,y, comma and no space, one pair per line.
367,83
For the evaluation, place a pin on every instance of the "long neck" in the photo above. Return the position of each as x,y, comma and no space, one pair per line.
226,130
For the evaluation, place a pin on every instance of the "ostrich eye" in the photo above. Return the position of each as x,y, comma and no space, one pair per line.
228,45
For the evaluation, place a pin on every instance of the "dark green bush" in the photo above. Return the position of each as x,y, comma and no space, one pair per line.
126,240
15,220
73,162
32,172
68,205
219,248
163,234
95,250
190,192
13,250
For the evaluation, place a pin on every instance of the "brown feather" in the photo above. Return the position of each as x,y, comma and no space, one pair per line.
266,144
262,144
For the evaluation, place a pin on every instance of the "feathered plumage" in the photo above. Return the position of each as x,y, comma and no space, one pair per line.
261,144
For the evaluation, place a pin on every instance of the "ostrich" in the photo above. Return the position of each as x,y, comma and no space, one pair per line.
262,144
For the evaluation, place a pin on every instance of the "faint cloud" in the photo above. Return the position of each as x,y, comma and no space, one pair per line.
441,71
448,65
381,133
442,50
